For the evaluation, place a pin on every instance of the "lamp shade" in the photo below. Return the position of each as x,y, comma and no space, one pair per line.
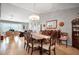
34,17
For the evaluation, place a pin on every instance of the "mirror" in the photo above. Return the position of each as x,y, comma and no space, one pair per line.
52,24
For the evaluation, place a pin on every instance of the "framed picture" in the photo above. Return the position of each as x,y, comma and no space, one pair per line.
52,24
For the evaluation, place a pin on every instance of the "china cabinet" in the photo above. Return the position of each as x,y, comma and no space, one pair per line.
75,33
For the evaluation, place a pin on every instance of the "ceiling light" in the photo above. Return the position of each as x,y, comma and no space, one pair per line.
34,17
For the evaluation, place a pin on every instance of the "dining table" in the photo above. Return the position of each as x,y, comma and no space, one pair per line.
41,38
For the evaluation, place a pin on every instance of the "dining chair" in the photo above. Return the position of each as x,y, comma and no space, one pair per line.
64,37
27,39
21,34
51,43
32,44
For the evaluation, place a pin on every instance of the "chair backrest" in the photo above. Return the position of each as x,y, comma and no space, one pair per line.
25,35
58,33
29,37
64,36
53,38
21,34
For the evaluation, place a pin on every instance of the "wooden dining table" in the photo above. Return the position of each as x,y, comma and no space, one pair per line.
41,38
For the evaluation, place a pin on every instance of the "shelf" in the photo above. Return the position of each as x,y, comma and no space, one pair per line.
75,30
75,27
75,33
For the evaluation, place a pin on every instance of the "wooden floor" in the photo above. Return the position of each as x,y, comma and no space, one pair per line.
16,48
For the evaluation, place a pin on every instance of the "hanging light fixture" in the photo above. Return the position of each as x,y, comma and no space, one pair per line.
34,16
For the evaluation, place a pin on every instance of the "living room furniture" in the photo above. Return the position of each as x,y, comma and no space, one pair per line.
75,33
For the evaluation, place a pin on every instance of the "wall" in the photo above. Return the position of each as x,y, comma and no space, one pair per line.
13,13
0,10
64,15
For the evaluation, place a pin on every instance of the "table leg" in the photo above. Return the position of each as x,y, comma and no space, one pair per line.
41,47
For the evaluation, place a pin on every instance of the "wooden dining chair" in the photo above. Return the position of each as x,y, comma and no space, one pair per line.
50,45
25,40
32,44
64,37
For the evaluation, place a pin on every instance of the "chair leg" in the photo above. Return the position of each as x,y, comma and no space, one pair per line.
28,49
54,51
24,45
49,52
59,42
32,51
66,43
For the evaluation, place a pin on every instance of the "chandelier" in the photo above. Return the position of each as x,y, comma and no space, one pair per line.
34,16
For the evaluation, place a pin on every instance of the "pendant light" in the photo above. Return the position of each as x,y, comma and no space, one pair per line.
34,16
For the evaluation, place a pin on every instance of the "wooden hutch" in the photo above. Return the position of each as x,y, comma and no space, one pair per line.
75,33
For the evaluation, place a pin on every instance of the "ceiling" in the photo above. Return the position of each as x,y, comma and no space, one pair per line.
42,8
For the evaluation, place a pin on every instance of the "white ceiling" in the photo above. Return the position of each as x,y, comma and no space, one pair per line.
41,8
